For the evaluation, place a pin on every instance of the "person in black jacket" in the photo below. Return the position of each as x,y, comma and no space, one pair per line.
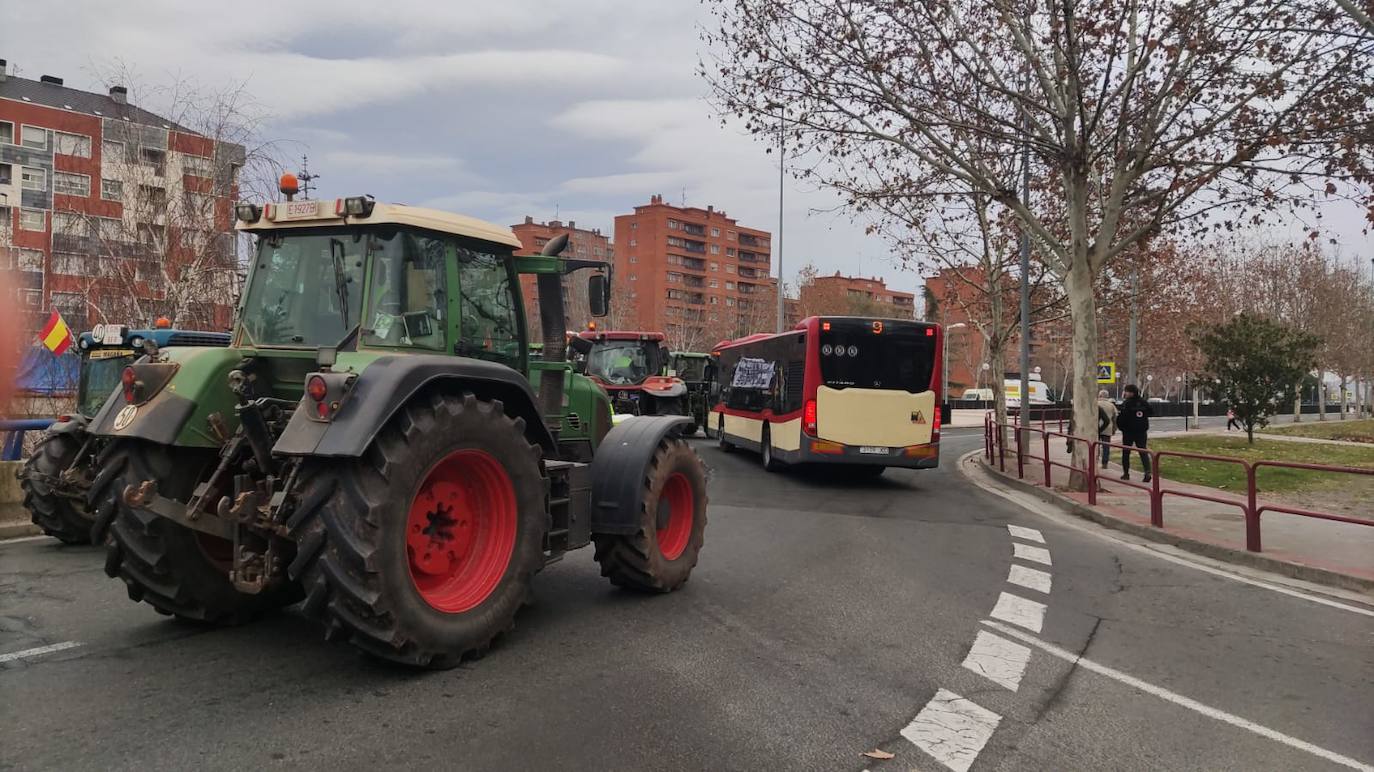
1134,421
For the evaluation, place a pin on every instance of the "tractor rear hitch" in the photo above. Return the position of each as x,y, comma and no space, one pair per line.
145,497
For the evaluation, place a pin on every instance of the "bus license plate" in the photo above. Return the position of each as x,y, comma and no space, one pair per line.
873,450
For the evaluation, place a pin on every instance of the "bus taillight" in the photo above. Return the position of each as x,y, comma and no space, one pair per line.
935,425
809,418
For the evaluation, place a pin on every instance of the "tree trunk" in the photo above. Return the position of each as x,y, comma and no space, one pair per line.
1297,404
1083,312
1321,395
1342,399
1250,432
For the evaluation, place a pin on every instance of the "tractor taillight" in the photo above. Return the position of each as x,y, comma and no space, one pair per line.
318,390
128,379
809,418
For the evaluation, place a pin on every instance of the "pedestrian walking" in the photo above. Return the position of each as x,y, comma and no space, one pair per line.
1134,420
1106,423
1231,419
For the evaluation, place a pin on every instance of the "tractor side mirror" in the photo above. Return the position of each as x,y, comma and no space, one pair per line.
599,294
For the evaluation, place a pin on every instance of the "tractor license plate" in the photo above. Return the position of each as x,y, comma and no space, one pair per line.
873,450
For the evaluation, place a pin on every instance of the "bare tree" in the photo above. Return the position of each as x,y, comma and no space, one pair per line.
1136,115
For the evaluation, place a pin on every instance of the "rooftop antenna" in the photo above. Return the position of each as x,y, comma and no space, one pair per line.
684,197
555,211
306,177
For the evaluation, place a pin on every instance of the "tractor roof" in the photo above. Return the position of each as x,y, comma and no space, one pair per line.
621,335
692,354
321,213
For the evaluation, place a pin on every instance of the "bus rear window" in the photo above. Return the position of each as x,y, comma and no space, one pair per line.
900,357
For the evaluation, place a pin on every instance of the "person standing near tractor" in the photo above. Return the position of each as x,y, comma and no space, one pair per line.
1106,423
1133,418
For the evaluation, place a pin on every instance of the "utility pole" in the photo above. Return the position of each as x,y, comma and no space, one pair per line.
777,247
1025,273
1135,316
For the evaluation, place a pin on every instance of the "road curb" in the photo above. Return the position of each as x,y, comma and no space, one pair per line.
1239,557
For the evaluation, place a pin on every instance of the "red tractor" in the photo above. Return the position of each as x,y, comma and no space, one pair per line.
631,367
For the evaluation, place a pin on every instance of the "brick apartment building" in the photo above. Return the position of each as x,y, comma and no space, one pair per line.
104,208
583,244
855,295
695,274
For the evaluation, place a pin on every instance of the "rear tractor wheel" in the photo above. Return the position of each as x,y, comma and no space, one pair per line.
59,515
660,555
176,570
423,550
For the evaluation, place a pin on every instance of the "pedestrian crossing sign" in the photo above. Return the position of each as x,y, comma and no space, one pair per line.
1106,372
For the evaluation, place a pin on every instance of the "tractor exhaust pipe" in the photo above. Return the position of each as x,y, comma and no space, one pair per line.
553,329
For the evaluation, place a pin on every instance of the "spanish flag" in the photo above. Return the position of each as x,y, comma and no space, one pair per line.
56,335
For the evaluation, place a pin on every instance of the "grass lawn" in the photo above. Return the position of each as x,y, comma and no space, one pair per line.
1330,429
1231,476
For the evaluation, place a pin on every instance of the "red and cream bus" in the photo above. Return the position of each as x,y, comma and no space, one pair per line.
835,390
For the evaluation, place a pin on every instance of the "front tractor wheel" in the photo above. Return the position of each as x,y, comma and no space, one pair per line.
423,550
50,507
176,570
660,555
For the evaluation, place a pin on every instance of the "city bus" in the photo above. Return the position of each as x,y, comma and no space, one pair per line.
835,390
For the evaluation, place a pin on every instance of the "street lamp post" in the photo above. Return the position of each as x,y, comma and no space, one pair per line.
782,163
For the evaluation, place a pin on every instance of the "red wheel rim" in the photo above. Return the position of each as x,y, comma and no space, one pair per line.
681,503
460,533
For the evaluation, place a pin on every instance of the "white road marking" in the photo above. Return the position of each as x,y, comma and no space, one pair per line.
1033,554
998,659
1029,534
38,652
1121,538
1019,611
1032,578
1178,699
952,730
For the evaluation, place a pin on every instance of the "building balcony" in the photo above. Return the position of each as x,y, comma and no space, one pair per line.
748,240
694,264
695,230
752,257
751,273
694,281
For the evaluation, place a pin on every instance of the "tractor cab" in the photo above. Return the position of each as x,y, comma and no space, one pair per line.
633,369
108,348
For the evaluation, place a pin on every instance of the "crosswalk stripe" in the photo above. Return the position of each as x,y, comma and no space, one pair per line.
1033,554
952,730
1030,578
1029,534
998,659
1019,611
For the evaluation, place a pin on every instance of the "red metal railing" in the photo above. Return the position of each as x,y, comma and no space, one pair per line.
994,448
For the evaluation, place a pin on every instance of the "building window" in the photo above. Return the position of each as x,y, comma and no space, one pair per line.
715,232
6,174
35,137
33,220
715,266
634,226
7,132
729,251
71,184
78,145
69,224
715,301
111,229
672,225
729,268
154,158
68,263
31,260
715,282
730,235
730,302
198,166
715,249
112,151
729,285
634,259
111,190
633,243
633,277
33,178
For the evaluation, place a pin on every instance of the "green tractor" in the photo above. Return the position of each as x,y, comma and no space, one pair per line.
56,478
698,371
377,442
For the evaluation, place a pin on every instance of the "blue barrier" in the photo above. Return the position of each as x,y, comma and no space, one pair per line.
13,430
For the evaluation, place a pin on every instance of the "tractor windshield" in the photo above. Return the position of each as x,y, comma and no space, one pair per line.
100,377
306,288
690,369
621,362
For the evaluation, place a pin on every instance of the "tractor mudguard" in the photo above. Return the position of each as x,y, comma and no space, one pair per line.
387,383
618,470
158,420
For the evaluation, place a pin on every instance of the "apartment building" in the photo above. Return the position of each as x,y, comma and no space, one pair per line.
857,296
108,211
583,243
695,274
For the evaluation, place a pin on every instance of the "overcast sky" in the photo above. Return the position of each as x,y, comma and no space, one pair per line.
494,109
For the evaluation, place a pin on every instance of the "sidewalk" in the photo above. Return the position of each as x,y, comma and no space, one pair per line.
1342,550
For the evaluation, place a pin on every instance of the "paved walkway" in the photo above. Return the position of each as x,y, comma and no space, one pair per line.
1325,544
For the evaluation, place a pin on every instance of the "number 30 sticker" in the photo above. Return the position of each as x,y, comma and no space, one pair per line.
125,417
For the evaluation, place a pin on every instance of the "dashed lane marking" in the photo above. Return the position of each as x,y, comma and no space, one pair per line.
1178,699
1030,578
39,651
998,659
952,730
1033,554
1029,534
1019,611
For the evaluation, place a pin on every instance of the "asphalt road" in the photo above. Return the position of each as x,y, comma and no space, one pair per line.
826,618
